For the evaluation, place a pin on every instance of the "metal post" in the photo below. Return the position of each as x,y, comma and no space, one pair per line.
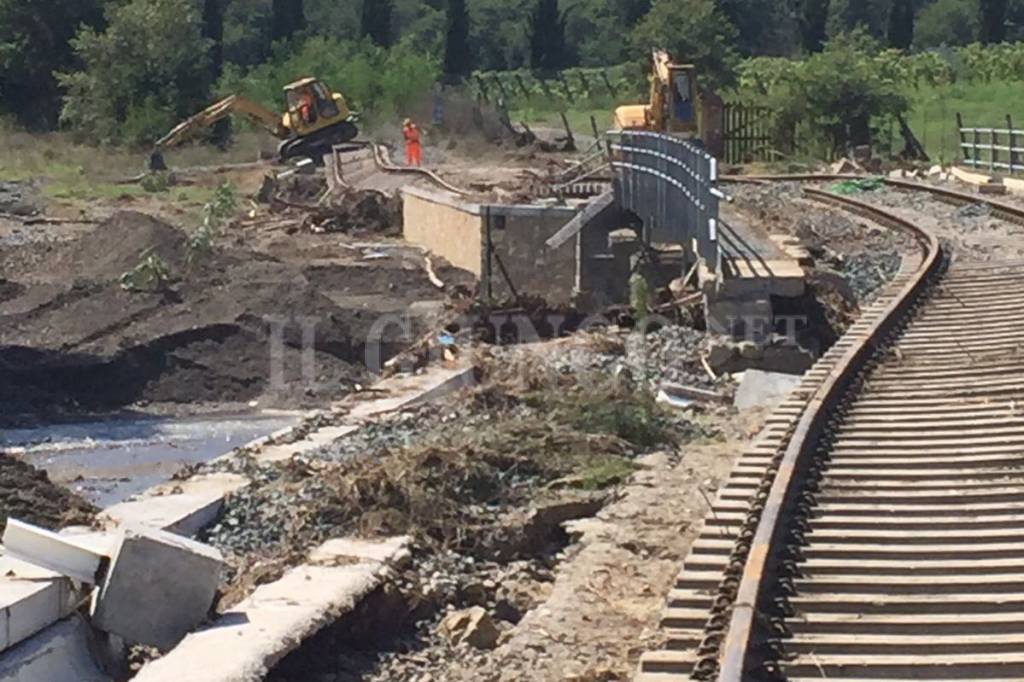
993,157
1014,157
960,134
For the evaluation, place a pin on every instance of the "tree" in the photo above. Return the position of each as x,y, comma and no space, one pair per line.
633,10
901,24
993,21
761,25
693,31
287,18
145,72
547,36
847,15
813,23
458,60
498,35
946,22
213,31
35,42
375,21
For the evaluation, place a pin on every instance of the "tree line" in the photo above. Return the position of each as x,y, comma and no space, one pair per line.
110,66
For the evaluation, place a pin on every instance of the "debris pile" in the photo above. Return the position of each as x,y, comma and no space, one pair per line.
145,585
358,213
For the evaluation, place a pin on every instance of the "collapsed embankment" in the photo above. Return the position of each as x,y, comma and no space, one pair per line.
222,324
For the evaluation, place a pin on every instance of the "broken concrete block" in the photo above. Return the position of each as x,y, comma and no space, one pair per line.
764,389
159,587
473,626
62,653
52,551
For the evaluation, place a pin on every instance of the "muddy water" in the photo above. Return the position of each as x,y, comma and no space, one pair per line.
108,461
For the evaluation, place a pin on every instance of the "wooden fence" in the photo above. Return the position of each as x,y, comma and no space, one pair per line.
993,149
749,134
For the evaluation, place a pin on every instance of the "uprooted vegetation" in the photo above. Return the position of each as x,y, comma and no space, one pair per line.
465,477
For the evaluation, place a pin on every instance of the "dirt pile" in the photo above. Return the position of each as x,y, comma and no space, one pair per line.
27,494
227,324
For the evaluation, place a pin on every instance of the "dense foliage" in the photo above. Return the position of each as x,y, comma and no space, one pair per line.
125,69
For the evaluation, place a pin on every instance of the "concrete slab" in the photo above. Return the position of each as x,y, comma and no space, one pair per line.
182,507
245,643
32,598
314,440
410,391
764,389
49,550
63,653
159,587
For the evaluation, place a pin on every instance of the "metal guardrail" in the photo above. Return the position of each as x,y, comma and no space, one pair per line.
994,149
672,186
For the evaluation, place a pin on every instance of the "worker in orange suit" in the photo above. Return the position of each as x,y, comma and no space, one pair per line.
413,146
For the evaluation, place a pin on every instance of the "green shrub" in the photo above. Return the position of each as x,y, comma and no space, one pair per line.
150,275
156,182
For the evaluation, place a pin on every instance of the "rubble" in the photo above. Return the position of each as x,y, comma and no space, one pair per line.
472,626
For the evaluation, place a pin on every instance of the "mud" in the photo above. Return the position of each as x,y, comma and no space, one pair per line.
227,326
27,494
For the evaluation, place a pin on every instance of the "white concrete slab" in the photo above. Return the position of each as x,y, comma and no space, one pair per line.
314,440
182,507
409,391
159,587
32,598
63,653
245,643
49,550
764,389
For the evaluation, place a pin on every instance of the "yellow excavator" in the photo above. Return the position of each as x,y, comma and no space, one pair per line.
675,105
314,120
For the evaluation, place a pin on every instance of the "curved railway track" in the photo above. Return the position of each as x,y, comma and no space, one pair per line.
875,530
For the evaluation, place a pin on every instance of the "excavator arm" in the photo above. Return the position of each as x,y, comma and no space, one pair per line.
213,113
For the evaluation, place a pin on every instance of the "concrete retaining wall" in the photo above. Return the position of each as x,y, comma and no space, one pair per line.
442,225
459,231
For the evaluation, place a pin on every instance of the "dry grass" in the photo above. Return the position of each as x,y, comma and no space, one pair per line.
66,169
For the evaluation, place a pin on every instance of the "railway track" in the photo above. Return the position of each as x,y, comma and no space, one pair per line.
875,530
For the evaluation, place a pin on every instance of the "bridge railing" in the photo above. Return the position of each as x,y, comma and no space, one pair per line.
672,186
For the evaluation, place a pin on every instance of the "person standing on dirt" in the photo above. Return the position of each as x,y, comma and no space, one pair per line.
413,145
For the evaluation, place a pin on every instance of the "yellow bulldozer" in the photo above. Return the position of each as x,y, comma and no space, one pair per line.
675,105
314,120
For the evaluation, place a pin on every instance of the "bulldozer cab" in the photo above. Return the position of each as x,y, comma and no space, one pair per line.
311,106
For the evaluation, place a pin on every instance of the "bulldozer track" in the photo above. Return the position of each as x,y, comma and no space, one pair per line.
874,529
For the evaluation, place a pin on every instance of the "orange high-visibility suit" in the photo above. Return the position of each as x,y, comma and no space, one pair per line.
413,146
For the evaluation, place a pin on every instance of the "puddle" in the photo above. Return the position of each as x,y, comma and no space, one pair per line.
108,461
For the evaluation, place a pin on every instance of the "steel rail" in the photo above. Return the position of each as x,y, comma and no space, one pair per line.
1000,209
761,568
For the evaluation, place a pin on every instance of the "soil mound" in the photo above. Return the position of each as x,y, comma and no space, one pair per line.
239,325
27,494
120,243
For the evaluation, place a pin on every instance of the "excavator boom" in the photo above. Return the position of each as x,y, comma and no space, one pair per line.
222,109
315,119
